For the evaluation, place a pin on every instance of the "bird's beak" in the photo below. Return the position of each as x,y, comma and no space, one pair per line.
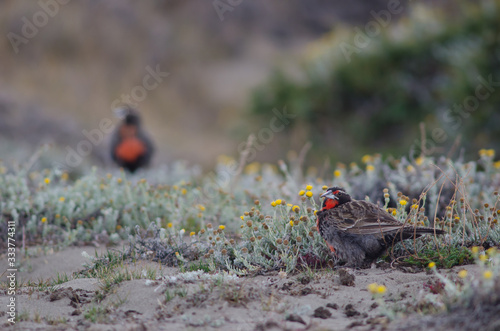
329,195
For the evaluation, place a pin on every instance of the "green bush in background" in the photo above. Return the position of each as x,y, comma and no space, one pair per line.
426,67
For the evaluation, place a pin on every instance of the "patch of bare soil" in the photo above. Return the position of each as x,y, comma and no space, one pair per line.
325,300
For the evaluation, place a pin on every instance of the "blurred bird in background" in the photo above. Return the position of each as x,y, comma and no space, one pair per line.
131,148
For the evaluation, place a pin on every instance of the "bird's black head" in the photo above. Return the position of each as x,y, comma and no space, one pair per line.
129,115
132,118
335,196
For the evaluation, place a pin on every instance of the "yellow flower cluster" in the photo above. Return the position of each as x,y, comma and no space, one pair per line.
337,173
367,159
375,288
487,152
432,265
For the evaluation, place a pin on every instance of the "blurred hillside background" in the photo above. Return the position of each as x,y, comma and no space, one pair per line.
231,63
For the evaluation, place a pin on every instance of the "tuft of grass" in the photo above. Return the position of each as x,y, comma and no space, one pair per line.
96,314
444,257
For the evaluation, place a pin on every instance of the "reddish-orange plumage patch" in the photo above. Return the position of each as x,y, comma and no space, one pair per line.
130,149
331,247
330,203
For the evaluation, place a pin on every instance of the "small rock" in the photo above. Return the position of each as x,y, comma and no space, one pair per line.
295,318
350,311
76,312
305,280
305,291
322,312
346,278
374,305
354,324
332,305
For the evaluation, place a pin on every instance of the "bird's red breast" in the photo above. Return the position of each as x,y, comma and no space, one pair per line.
130,149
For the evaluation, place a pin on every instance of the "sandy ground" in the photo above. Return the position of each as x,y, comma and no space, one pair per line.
325,300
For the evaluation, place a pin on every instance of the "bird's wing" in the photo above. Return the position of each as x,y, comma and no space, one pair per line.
361,217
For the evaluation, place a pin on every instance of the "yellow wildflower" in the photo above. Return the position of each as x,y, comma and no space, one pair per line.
278,202
309,194
491,251
291,223
296,208
337,173
289,204
184,191
64,176
175,187
381,289
315,212
191,234
119,181
273,203
419,160
80,222
432,265
496,164
242,217
415,206
309,187
222,227
324,187
118,227
44,219
487,274
170,225
176,253
372,288
47,181
367,158
370,168
302,192
61,199
474,249
403,202
462,273
483,258
490,152
410,168
394,212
